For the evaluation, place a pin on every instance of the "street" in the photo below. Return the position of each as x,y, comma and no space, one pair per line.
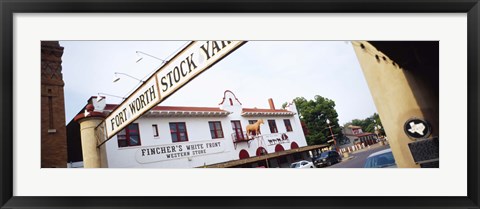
357,159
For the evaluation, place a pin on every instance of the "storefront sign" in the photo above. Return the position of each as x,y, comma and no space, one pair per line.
196,58
178,151
182,68
142,100
273,139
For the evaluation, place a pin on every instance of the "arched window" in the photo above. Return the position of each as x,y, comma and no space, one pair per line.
261,151
279,148
243,154
293,145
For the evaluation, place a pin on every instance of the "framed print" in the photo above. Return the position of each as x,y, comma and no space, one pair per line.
175,132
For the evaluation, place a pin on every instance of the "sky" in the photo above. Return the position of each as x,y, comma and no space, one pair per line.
255,72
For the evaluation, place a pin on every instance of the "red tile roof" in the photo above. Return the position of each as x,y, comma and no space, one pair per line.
245,111
263,110
176,108
209,109
199,109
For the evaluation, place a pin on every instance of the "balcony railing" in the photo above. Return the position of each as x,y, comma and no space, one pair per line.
238,138
241,137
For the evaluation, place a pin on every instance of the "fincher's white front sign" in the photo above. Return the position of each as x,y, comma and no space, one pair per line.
178,150
195,58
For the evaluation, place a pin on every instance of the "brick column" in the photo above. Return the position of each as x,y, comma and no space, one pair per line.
53,128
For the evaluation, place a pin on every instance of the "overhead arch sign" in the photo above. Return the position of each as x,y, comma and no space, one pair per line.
192,60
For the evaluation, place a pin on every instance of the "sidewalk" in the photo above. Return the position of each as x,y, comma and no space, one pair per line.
367,148
362,150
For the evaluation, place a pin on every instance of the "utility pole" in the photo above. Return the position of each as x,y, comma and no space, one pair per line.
333,136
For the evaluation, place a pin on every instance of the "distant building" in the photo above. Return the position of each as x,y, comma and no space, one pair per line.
355,138
187,137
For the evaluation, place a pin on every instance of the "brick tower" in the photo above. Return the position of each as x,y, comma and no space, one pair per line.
54,137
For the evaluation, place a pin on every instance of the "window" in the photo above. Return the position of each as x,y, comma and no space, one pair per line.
288,125
243,154
178,132
295,165
237,129
261,151
129,136
252,121
216,129
273,126
155,130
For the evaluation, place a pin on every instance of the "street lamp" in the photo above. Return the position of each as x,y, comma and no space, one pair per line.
116,78
333,137
101,98
140,57
377,129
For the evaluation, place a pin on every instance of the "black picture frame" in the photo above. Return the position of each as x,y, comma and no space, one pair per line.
10,7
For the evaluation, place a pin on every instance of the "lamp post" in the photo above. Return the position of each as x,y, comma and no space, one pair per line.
377,129
333,137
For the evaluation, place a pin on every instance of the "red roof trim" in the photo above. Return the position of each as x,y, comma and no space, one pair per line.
176,108
204,109
262,110
89,115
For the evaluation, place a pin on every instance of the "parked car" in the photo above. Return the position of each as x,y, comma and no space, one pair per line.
381,159
302,164
327,158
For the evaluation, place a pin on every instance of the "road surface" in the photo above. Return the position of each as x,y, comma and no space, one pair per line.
359,158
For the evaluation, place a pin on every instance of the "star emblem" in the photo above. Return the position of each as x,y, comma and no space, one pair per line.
416,128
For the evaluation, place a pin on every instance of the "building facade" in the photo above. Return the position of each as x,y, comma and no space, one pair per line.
356,139
189,137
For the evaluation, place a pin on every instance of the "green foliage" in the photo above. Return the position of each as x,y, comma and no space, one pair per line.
314,113
368,124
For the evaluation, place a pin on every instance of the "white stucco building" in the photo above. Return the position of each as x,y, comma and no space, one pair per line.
188,137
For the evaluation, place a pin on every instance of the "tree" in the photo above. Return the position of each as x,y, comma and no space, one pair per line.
368,124
314,114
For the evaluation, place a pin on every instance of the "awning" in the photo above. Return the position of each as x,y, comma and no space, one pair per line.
234,163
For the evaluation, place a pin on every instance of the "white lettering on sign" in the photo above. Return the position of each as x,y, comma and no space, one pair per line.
178,150
142,100
183,67
198,57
